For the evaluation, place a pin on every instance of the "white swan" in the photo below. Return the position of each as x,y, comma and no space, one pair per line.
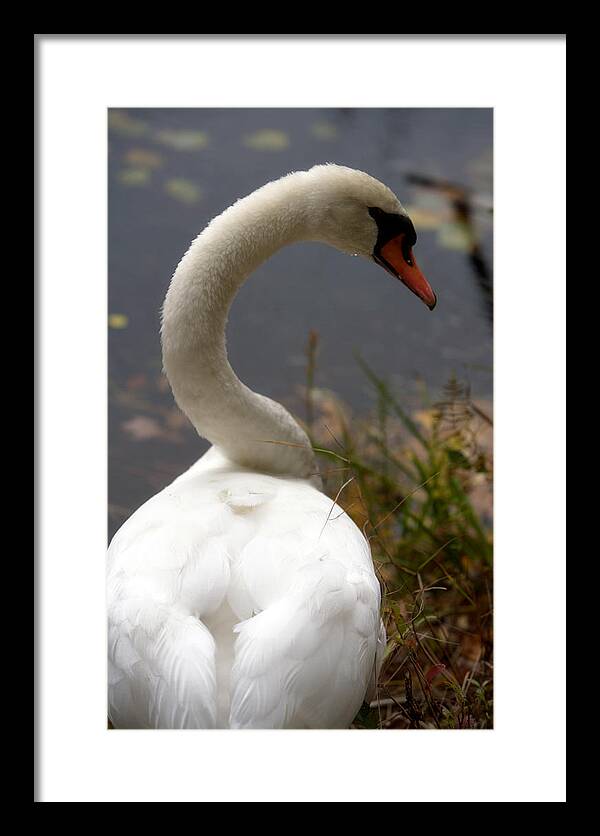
237,596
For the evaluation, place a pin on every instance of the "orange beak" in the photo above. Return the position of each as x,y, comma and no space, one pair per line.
398,260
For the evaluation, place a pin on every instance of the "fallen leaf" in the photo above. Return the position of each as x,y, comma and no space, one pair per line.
183,190
118,320
142,428
134,176
470,647
267,140
183,140
136,382
142,158
434,671
455,236
324,130
123,123
425,218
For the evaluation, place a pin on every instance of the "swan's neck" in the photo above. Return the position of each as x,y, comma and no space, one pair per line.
252,430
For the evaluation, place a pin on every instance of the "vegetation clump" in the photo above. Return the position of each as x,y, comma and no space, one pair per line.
419,485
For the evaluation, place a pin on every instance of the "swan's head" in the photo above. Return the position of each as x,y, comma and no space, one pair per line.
356,213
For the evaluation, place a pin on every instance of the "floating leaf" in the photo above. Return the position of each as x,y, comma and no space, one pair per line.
425,218
134,176
456,237
136,382
324,130
142,158
118,320
183,140
183,190
142,428
267,140
123,123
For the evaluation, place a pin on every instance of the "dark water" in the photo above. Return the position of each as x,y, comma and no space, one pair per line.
171,171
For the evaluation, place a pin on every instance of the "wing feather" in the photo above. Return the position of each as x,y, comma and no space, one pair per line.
162,670
306,660
240,599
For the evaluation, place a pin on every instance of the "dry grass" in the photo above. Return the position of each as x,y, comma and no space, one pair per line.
419,486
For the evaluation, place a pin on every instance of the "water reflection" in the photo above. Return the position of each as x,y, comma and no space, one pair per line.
171,170
464,207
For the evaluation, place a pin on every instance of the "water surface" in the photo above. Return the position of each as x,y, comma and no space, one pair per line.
170,171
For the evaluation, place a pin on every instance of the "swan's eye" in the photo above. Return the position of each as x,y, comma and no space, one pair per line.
391,225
